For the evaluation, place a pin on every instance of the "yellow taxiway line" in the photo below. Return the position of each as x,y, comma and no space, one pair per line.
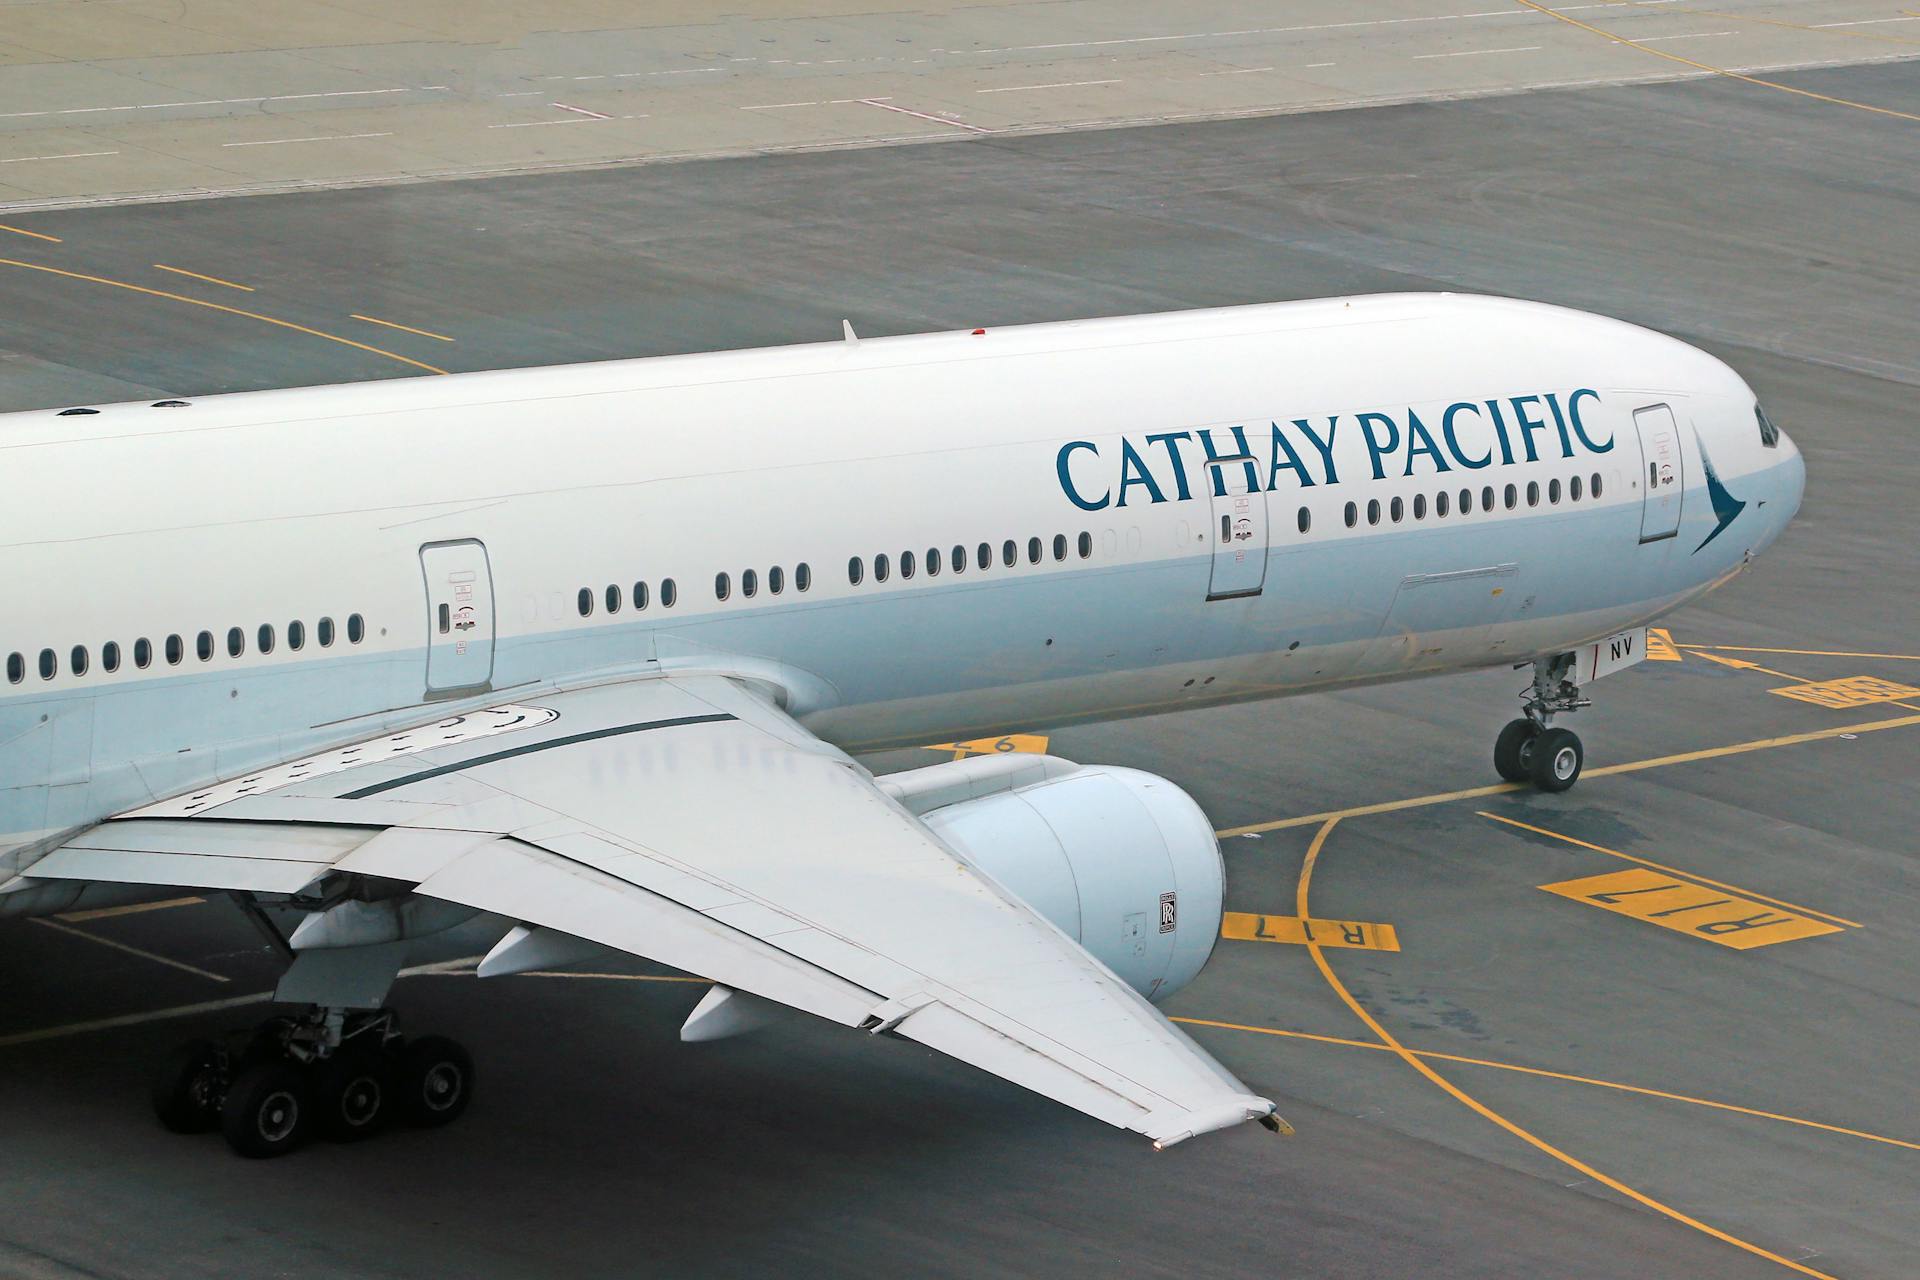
1479,1108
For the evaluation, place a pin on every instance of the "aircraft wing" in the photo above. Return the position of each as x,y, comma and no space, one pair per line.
690,821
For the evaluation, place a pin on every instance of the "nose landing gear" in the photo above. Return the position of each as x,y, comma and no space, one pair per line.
1532,749
344,1075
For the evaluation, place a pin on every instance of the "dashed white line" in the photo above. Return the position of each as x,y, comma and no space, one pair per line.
221,102
1314,66
320,137
1474,53
1691,35
1236,71
65,155
580,111
1866,22
1064,84
779,106
537,124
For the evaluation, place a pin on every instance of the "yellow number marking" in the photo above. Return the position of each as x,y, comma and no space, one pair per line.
1036,743
1712,914
1246,927
1855,691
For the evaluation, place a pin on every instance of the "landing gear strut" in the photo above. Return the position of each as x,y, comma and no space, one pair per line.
342,1074
1532,749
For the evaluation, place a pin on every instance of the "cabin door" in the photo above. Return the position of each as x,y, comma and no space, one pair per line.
460,622
1663,470
1239,530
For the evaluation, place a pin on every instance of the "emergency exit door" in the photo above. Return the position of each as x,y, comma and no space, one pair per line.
1239,531
459,617
1663,471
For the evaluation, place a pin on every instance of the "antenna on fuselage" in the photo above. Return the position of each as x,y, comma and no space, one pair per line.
846,328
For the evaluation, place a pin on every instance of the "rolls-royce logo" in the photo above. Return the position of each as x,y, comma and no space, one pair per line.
1169,912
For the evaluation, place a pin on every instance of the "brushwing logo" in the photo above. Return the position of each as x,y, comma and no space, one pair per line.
1725,505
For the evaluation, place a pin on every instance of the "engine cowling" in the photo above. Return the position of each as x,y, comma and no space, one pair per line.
1124,862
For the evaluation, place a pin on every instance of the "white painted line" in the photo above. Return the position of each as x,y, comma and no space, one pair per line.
689,71
1312,66
779,106
1691,35
921,115
221,102
57,927
1474,53
65,155
1064,84
323,137
579,111
524,93
1237,71
537,124
188,1010
1866,22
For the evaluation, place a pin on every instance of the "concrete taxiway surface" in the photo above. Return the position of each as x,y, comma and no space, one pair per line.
1534,1082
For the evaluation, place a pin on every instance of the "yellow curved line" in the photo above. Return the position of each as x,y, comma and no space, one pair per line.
215,306
1809,653
1718,71
1559,1075
1485,1112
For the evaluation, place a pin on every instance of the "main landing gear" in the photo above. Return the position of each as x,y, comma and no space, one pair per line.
342,1074
1532,749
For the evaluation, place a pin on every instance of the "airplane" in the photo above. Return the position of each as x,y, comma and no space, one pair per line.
583,654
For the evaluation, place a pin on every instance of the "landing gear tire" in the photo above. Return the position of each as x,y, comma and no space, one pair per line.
186,1089
1513,750
436,1081
268,1110
1556,759
353,1094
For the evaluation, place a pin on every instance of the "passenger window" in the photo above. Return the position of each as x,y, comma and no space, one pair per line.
959,559
1553,491
143,653
110,656
906,564
1573,489
722,586
176,650
584,601
1304,519
1533,493
49,664
776,580
16,668
203,646
639,596
296,638
855,570
933,562
1009,553
749,584
356,628
1486,498
803,576
1033,551
1399,509
613,598
79,659
236,642
445,617
1513,497
1353,515
264,640
1466,502
1440,505
669,593
323,632
1593,485
1373,511
983,557
1059,546
1086,544
880,568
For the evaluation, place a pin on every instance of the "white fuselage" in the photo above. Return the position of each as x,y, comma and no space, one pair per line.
529,503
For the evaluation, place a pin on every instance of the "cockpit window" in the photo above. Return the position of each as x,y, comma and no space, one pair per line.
1769,434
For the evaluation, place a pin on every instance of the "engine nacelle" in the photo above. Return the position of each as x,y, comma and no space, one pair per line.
1124,862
